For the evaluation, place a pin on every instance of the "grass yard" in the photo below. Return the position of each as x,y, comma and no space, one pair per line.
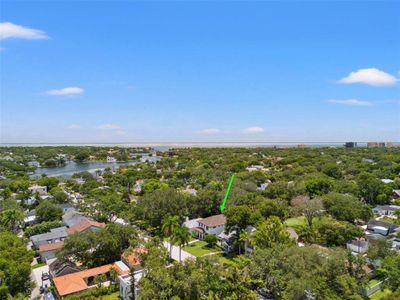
296,222
378,295
200,248
113,296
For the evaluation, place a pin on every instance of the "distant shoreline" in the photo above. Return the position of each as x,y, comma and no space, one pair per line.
169,145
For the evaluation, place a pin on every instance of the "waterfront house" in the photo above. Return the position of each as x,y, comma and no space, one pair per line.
111,159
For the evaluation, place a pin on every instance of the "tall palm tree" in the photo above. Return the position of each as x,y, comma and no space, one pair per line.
10,218
169,226
181,237
245,238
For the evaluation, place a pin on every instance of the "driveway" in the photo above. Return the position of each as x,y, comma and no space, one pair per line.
175,252
36,276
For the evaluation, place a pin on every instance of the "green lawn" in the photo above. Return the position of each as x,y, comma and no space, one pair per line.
200,248
113,296
378,295
296,222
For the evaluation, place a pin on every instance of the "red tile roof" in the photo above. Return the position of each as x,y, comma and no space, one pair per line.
75,282
132,258
83,225
50,247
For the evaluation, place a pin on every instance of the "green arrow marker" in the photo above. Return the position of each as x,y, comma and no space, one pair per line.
223,204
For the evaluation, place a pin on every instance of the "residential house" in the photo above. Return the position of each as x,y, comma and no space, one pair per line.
210,225
381,227
111,159
131,258
35,164
385,210
7,157
40,189
228,242
48,251
82,281
29,201
67,207
387,180
191,191
73,217
55,235
264,185
125,282
61,267
85,225
253,168
396,194
358,246
30,218
138,186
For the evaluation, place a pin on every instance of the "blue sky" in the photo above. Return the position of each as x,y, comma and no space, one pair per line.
102,71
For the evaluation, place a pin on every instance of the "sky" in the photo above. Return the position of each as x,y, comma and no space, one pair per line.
197,71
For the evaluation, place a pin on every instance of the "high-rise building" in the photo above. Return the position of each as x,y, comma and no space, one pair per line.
350,144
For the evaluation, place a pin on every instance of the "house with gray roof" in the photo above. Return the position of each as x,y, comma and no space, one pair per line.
55,235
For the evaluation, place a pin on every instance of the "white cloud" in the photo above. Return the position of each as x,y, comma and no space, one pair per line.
350,102
370,76
210,131
108,126
10,30
253,129
73,126
66,91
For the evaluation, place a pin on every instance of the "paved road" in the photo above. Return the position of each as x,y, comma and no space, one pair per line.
37,278
175,252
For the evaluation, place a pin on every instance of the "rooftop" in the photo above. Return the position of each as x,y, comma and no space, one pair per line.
83,225
75,282
213,221
50,247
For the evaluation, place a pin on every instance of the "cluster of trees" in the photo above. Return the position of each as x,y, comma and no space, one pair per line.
204,278
103,246
15,267
330,188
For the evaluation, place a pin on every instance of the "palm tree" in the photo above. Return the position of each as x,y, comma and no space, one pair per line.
10,218
244,237
168,228
181,236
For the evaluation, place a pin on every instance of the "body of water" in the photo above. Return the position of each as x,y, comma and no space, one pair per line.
72,167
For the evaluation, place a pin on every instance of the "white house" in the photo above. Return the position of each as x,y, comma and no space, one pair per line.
40,189
125,285
387,180
211,225
357,246
111,159
35,164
